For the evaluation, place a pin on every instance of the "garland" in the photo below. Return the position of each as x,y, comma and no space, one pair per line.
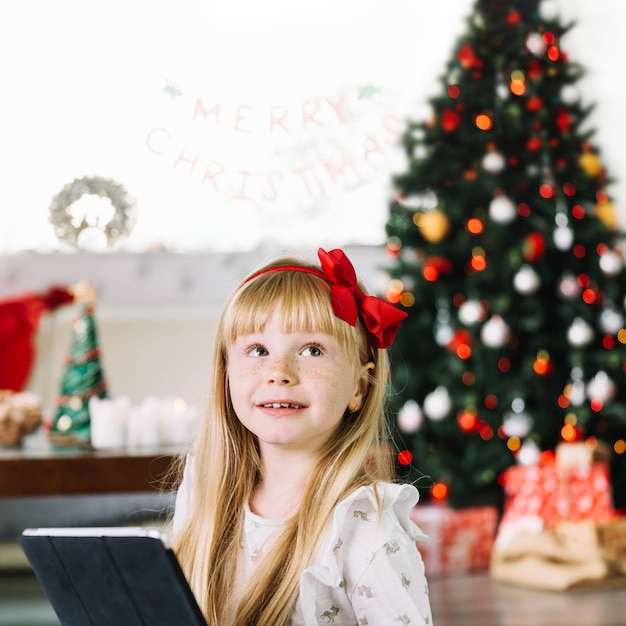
117,228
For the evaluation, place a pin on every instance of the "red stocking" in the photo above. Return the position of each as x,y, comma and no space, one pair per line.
19,320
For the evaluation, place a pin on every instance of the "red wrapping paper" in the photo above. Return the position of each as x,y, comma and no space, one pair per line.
556,494
459,540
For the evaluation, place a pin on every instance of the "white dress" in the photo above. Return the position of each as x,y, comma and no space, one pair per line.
367,572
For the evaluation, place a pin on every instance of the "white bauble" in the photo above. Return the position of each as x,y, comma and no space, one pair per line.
535,44
577,393
420,152
549,10
494,162
516,424
563,237
570,94
569,287
611,321
502,209
437,404
580,333
611,263
503,92
526,281
495,332
601,387
410,417
443,334
471,311
529,454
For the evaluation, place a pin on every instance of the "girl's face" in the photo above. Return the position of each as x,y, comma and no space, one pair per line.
292,389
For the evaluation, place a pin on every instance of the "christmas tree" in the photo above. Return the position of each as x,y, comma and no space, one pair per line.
504,240
83,376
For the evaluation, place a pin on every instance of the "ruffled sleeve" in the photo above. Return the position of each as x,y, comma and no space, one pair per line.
369,570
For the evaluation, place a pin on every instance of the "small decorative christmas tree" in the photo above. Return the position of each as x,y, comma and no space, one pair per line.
83,376
507,260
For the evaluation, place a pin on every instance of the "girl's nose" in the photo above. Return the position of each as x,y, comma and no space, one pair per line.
282,371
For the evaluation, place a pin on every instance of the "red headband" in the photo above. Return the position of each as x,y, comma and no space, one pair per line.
381,319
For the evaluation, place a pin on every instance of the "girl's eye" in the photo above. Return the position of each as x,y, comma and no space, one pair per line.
257,351
312,350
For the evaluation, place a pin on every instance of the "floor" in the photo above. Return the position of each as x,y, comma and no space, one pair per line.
456,601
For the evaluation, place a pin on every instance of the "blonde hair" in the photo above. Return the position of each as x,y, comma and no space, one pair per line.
227,462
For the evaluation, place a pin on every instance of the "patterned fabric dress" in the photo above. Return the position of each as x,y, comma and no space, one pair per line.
368,571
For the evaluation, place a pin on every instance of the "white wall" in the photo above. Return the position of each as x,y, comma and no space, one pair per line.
155,314
83,87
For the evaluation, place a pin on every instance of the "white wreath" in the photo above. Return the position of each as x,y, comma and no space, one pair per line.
116,228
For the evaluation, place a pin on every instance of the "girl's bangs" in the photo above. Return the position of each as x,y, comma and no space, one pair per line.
303,303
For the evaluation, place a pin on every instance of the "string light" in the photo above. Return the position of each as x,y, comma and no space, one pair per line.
518,82
439,491
474,226
484,121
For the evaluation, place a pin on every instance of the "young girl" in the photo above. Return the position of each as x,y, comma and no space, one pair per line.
287,513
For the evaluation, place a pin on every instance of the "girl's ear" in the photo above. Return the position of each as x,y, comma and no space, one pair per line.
363,385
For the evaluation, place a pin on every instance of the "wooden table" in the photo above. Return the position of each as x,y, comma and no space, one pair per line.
50,472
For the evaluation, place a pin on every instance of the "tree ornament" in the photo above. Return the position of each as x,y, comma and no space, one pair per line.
549,10
601,387
516,424
607,214
569,95
434,225
502,209
420,152
590,163
534,247
410,417
461,337
612,262
563,237
471,311
526,280
437,404
529,453
580,333
576,392
493,162
495,332
467,58
568,286
450,120
611,321
536,45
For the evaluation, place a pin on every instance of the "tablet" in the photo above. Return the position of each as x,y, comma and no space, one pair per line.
111,576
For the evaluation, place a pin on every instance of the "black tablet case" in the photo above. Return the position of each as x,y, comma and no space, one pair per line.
111,580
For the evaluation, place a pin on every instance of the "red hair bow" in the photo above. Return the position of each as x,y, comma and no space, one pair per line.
381,319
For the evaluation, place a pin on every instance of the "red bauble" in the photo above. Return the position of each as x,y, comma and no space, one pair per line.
450,120
534,247
460,337
467,58
513,18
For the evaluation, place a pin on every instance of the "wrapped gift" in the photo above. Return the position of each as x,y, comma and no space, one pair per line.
552,493
568,555
459,540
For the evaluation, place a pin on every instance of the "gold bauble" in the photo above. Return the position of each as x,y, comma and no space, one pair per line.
591,163
607,214
434,225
